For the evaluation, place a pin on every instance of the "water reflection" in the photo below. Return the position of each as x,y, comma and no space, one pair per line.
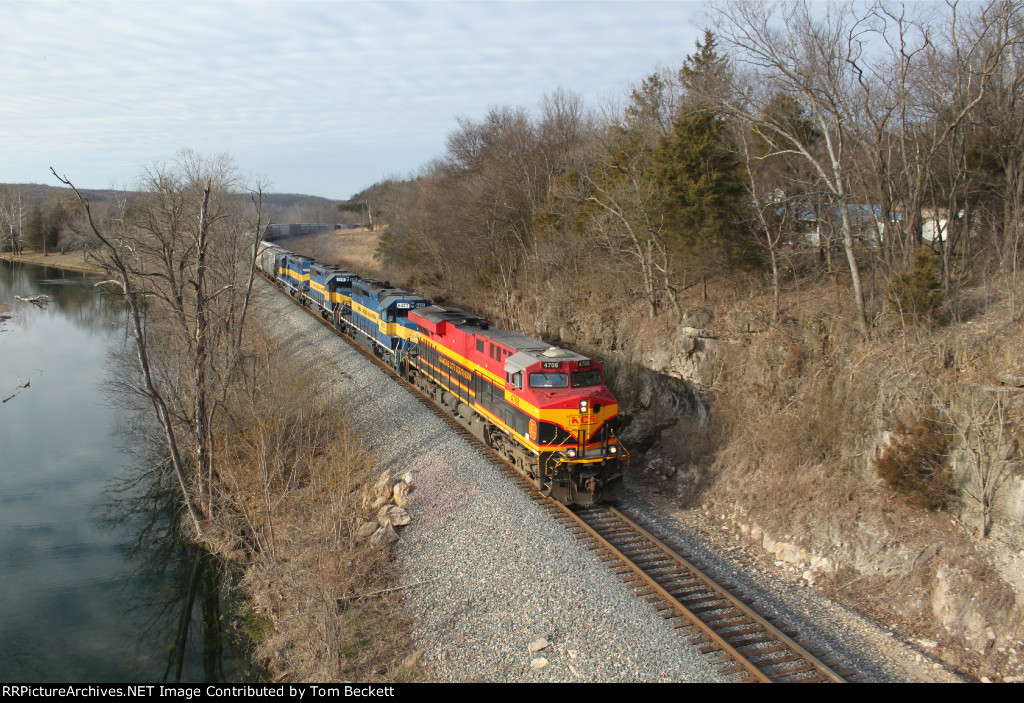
95,583
70,293
181,592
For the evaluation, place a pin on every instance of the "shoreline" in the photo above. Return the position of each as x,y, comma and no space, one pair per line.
67,262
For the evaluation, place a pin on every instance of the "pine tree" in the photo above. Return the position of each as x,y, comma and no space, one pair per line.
702,184
700,176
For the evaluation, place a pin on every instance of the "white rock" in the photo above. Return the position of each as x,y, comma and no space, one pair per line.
384,536
539,663
401,494
384,483
367,528
539,644
393,515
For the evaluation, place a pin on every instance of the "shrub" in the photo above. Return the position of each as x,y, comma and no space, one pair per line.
918,293
914,463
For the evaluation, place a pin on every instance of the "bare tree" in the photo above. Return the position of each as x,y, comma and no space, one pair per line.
12,220
818,58
987,433
772,210
999,32
184,256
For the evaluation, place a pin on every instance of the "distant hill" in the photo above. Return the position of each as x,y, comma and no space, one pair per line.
287,200
37,192
280,207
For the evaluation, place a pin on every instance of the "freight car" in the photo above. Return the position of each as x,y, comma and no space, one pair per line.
546,410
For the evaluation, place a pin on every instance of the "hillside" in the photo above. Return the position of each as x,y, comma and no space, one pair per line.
776,431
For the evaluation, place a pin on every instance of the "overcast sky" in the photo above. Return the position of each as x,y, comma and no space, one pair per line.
323,98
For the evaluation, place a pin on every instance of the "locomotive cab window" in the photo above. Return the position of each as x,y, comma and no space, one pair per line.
516,379
590,377
549,380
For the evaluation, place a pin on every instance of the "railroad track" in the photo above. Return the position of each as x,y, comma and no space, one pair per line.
713,617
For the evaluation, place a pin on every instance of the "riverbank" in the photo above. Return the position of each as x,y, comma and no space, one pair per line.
69,262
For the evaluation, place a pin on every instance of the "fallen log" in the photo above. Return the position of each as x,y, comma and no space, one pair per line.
40,300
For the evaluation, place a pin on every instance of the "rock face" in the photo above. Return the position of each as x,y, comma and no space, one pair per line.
687,355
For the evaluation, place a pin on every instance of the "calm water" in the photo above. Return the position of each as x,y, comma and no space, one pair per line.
93,582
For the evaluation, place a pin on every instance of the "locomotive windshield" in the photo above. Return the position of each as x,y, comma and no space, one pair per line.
549,380
590,377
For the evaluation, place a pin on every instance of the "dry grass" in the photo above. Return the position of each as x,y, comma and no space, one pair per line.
69,262
802,407
350,248
293,471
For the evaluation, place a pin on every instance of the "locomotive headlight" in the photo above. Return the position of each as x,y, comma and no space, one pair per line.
571,453
583,406
613,449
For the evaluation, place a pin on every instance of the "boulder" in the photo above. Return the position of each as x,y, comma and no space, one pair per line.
384,485
384,536
401,494
393,515
367,528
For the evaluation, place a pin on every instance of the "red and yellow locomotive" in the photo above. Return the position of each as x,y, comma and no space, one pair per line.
545,409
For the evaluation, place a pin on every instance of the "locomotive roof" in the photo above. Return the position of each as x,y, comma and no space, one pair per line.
330,269
383,293
381,290
517,341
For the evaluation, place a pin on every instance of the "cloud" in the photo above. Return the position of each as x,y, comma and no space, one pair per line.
103,82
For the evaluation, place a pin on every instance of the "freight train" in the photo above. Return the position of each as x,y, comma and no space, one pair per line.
545,410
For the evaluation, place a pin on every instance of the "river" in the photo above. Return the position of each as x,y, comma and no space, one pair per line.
93,579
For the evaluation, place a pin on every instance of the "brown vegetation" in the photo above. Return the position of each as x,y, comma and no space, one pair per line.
854,453
350,248
291,473
69,262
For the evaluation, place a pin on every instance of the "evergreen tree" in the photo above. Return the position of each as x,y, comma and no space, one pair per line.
700,176
703,193
34,230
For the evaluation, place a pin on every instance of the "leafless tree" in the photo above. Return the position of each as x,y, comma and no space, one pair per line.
999,122
987,431
819,58
184,256
772,210
12,220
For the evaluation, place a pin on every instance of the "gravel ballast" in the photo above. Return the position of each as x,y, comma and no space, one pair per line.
489,576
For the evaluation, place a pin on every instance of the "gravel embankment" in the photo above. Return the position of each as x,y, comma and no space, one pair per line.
488,573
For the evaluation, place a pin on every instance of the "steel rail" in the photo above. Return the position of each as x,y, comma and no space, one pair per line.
756,623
